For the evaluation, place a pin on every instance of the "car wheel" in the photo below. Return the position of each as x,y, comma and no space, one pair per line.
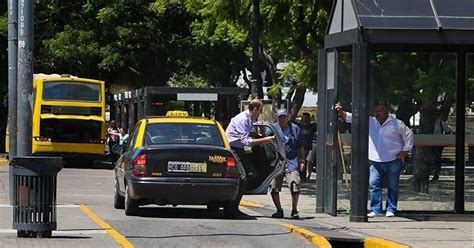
131,205
119,201
231,209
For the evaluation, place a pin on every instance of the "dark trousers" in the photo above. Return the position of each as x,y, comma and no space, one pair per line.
246,161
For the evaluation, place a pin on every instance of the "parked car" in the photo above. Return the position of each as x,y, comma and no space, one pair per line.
180,160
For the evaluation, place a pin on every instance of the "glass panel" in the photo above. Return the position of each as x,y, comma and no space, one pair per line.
454,8
71,91
343,133
182,133
396,14
336,19
329,146
394,8
469,179
420,89
349,21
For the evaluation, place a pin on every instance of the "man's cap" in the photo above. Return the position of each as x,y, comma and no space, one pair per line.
281,112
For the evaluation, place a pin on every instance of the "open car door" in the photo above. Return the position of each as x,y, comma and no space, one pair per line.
269,159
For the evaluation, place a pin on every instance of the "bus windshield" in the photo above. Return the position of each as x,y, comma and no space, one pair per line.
71,91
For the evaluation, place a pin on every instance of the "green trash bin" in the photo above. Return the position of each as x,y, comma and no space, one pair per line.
34,195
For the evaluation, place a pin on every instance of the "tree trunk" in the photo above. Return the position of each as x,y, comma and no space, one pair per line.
424,155
256,86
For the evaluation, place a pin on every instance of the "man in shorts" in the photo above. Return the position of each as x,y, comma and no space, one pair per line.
295,163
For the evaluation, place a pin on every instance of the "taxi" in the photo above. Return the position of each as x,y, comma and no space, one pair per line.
182,160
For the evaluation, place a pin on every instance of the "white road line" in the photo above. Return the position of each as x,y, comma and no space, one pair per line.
58,206
63,232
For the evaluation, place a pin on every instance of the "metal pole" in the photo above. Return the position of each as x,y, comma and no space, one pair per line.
460,132
321,147
360,133
25,76
12,73
12,84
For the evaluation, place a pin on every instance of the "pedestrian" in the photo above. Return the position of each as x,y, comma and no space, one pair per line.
238,132
307,130
440,127
311,158
390,140
112,135
295,163
123,136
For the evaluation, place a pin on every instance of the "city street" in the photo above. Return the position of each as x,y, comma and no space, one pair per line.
157,226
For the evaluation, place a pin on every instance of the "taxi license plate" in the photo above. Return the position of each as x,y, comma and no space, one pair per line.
177,166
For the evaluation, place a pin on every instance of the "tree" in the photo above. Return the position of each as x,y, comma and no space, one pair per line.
301,27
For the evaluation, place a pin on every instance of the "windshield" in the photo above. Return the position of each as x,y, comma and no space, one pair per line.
182,133
72,91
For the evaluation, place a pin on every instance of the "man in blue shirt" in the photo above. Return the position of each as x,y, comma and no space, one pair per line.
390,140
295,163
238,134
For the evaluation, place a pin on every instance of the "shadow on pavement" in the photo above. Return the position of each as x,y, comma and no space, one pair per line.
186,213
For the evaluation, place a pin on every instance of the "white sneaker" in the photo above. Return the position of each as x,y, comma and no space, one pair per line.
390,214
373,214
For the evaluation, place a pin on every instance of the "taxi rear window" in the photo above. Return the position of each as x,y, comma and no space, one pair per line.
182,133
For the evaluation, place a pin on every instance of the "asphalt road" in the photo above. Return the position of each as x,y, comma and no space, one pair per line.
167,226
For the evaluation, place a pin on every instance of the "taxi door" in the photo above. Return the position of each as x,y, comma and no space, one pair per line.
268,159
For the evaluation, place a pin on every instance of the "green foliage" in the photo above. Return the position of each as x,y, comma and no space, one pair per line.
187,81
300,71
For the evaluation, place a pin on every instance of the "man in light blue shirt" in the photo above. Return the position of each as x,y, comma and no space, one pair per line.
390,140
238,134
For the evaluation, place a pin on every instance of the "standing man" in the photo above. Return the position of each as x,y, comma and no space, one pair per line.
238,133
295,163
390,140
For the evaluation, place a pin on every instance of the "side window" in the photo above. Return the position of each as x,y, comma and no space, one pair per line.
133,138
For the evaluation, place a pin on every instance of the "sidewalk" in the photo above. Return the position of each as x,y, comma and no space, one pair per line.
75,227
441,231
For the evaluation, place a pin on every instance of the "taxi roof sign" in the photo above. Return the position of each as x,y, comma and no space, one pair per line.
177,113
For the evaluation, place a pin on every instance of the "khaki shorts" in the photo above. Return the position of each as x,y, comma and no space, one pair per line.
292,178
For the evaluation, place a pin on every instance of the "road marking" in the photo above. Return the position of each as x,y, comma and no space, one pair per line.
374,242
313,238
58,206
251,204
63,232
118,237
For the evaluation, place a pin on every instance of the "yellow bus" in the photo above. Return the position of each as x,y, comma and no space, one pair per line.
68,116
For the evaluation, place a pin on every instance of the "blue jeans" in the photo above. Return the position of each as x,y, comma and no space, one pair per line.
378,170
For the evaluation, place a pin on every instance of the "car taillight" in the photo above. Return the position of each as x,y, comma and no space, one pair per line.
230,162
139,166
232,171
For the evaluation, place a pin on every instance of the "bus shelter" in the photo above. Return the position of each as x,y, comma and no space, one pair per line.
218,103
418,56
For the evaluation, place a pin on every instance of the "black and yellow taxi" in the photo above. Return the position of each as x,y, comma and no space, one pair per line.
182,160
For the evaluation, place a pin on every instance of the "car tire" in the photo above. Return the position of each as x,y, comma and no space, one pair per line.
231,209
131,205
119,201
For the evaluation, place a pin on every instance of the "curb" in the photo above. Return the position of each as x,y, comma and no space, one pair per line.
375,242
251,204
312,237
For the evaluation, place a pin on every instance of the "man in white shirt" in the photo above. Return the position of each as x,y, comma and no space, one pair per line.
390,140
